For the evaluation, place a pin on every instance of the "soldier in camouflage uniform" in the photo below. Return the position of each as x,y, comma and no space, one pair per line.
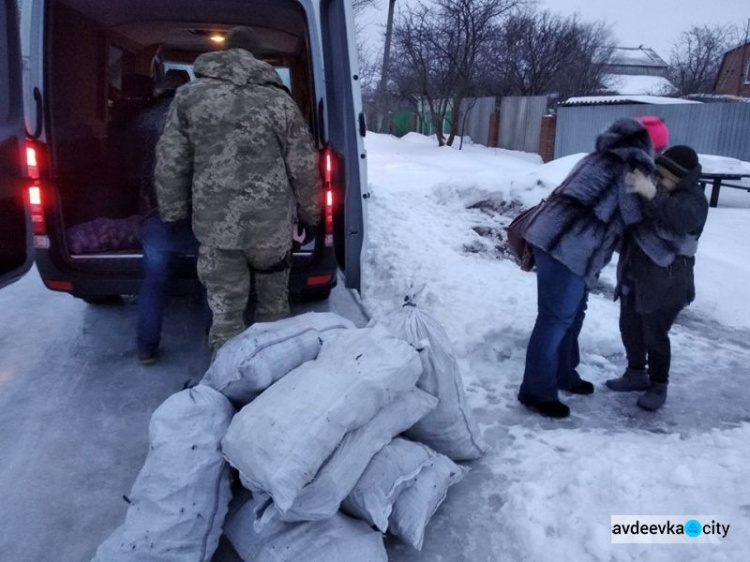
236,147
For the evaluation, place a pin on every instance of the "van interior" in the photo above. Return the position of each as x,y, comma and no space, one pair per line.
108,62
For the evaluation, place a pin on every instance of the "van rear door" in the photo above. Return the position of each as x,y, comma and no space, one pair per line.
16,253
346,127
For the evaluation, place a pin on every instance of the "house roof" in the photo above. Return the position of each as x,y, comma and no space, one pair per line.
622,100
738,46
636,56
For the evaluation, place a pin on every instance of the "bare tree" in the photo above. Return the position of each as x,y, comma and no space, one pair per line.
361,5
696,58
542,53
437,54
367,60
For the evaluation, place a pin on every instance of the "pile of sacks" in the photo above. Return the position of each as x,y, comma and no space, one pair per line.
338,435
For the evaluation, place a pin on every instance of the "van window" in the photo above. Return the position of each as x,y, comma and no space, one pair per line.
114,67
283,71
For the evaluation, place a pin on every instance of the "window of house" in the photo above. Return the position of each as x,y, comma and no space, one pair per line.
747,73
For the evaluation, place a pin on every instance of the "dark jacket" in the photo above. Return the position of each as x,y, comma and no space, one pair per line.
682,214
583,220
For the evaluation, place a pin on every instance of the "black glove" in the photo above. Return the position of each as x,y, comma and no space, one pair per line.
305,233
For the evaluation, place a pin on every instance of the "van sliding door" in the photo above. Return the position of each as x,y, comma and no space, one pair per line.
16,254
345,129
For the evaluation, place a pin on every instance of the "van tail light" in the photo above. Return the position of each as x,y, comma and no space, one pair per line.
37,210
328,167
32,163
34,159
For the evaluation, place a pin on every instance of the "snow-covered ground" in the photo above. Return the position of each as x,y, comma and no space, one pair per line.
548,488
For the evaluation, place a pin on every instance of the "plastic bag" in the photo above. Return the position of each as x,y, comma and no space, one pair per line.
252,361
449,428
181,495
280,440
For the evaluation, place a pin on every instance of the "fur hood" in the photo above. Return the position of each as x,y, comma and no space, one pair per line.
598,181
629,140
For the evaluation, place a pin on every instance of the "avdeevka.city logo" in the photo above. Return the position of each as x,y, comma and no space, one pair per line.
693,528
674,529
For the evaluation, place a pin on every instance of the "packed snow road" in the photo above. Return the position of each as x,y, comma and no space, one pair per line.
75,404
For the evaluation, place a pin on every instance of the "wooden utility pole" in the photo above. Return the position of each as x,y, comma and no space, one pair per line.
386,49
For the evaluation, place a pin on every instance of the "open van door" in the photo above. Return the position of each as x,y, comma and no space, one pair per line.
346,129
16,253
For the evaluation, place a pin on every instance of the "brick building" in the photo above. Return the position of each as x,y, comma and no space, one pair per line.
734,74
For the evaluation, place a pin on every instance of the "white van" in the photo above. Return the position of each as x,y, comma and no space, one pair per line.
79,57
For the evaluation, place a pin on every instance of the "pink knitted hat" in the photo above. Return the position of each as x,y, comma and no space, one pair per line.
657,130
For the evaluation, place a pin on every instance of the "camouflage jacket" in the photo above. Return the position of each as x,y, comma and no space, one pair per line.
235,144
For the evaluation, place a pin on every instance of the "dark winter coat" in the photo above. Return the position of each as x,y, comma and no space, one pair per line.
584,219
677,220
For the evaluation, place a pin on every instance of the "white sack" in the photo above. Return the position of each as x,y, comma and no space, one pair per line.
392,470
416,505
252,361
337,539
280,440
180,497
322,497
450,428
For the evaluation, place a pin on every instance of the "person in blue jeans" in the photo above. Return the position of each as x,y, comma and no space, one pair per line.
574,236
161,244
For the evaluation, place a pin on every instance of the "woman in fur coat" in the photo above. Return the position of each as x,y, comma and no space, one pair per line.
573,237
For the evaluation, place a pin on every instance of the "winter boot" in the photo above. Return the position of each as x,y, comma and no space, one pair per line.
583,387
654,397
549,409
631,380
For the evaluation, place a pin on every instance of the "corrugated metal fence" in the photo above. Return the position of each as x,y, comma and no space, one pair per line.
520,119
710,128
476,121
520,122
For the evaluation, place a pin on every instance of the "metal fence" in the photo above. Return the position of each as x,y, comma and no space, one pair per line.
520,122
710,128
476,114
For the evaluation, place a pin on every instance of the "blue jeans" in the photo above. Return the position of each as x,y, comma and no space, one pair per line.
160,247
552,355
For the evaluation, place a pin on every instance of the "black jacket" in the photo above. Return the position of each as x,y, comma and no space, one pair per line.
683,211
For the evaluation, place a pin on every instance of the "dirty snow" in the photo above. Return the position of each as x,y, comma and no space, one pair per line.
547,489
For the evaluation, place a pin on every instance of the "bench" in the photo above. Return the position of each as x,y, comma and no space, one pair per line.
735,185
718,180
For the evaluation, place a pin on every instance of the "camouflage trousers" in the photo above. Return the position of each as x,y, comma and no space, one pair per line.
227,276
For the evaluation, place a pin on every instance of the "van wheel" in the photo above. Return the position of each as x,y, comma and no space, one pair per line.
103,300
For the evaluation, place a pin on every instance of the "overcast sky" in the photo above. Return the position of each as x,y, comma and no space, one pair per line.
651,23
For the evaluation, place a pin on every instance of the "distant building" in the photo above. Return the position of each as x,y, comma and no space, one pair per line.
733,78
636,61
637,71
